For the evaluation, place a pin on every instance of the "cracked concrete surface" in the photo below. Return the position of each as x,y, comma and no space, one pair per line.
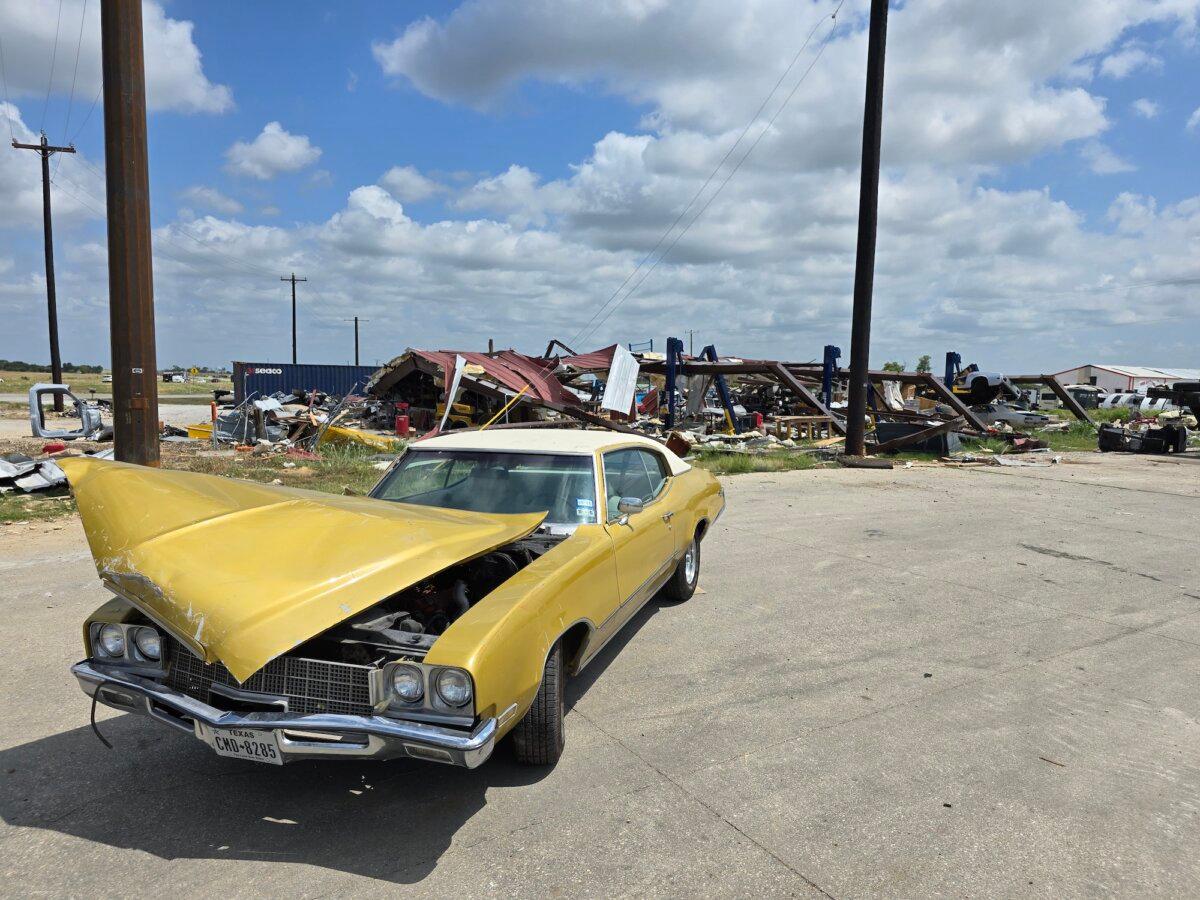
908,683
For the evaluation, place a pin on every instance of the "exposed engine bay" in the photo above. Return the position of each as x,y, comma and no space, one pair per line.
405,625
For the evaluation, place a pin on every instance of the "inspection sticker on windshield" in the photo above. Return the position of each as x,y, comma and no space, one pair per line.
246,743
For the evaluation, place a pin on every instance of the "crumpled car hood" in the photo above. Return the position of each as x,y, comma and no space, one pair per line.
244,572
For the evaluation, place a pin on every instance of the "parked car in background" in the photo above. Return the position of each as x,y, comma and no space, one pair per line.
993,413
428,620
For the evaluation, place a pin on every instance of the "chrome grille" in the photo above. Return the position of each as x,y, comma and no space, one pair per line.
310,685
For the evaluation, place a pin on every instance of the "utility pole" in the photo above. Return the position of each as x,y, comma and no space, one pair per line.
293,280
356,321
130,261
691,333
868,219
45,150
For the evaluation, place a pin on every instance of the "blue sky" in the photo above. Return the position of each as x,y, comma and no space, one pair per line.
497,169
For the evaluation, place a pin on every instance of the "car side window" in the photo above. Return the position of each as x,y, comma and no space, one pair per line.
656,471
633,473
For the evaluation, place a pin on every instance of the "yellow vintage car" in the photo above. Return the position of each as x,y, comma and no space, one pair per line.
429,619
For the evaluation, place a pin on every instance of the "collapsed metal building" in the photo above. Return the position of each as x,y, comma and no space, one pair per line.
438,390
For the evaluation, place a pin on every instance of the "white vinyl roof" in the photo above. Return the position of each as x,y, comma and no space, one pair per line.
1143,372
547,440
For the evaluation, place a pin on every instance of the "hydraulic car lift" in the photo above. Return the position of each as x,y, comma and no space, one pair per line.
828,370
676,365
710,353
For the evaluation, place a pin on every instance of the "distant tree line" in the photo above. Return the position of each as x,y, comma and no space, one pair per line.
16,365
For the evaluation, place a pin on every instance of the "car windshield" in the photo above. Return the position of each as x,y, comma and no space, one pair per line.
563,486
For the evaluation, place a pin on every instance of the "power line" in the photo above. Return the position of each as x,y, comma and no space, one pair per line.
75,74
713,174
249,267
53,58
95,100
162,241
1180,281
820,50
245,267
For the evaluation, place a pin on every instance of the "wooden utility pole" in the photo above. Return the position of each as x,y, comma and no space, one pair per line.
45,150
691,333
356,321
868,216
293,279
130,263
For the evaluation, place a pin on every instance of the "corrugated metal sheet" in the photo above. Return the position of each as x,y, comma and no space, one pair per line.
265,378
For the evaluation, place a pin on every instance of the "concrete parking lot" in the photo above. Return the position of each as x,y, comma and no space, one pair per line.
918,682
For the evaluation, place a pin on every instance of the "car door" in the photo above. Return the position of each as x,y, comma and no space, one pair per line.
643,542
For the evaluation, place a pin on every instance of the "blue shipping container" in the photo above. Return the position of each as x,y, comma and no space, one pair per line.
252,379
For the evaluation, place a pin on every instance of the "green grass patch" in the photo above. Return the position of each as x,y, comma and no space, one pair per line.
333,471
744,463
42,506
1120,414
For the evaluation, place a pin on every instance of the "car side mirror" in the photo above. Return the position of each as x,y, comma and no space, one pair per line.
630,505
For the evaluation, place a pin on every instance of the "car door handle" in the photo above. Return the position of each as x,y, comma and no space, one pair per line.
667,516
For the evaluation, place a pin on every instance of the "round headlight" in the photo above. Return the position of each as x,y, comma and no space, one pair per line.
408,684
454,687
148,642
112,640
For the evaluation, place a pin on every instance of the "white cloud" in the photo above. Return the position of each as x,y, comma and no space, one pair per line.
175,76
210,198
967,82
1146,108
272,153
1103,161
1193,122
408,185
270,211
76,191
1125,62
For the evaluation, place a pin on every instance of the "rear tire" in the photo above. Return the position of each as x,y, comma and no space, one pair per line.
538,739
686,576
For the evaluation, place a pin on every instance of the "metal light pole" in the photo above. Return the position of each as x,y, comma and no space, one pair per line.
130,269
868,219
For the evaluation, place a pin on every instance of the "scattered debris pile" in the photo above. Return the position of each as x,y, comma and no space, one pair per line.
1166,432
31,474
281,421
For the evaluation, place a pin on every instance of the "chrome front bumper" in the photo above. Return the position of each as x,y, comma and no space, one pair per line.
319,736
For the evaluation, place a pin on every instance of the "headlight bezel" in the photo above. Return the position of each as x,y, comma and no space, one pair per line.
453,673
140,652
98,642
131,655
432,706
419,677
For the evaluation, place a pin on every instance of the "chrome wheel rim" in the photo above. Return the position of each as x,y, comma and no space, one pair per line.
689,564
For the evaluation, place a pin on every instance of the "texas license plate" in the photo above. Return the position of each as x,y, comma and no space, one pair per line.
246,743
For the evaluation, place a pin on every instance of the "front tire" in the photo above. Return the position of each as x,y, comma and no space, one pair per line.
686,575
538,739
